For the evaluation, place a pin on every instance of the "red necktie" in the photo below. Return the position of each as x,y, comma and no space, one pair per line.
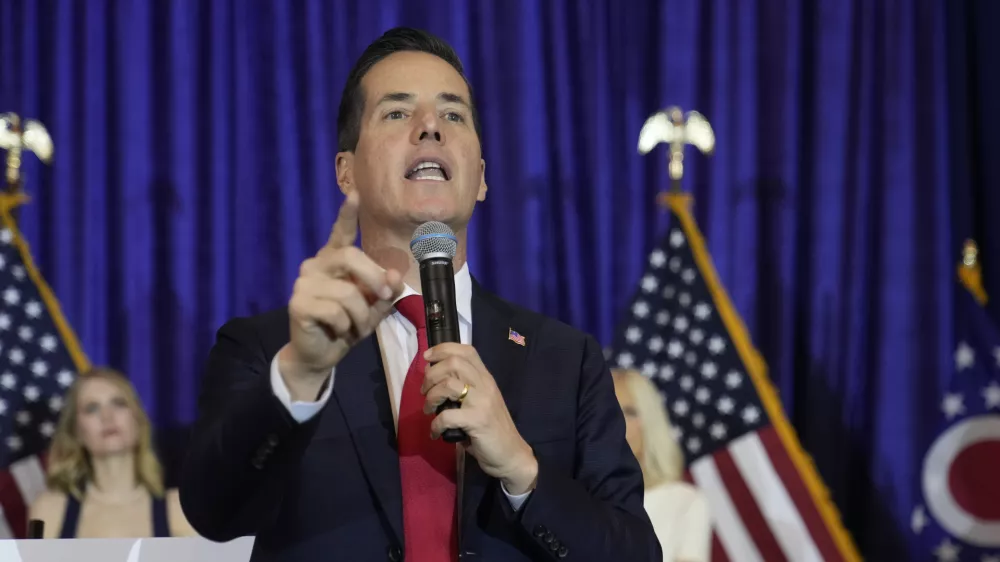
426,466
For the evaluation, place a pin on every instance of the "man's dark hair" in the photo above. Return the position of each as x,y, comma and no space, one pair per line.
352,100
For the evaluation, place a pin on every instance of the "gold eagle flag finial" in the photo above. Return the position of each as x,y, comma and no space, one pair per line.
16,139
674,127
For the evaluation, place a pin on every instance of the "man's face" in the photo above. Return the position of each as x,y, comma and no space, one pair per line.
418,156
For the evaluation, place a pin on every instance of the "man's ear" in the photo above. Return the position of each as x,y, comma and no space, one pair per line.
345,172
481,196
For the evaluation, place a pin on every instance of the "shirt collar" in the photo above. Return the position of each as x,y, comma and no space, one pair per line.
463,292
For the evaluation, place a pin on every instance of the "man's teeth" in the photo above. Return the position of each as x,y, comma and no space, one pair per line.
427,171
428,174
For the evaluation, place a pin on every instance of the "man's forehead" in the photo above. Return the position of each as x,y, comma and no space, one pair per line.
419,74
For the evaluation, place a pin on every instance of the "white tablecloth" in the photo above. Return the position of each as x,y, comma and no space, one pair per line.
125,550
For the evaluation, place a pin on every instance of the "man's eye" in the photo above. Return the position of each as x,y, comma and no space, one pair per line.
454,117
393,115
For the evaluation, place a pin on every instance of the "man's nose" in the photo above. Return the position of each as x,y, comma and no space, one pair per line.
428,128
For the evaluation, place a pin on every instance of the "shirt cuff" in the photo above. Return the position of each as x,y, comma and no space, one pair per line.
515,501
300,411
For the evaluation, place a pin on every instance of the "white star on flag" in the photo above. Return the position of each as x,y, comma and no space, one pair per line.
662,318
709,370
718,431
681,408
6,236
47,429
703,395
640,310
918,520
633,334
65,378
676,238
681,324
675,264
684,299
657,259
48,343
697,336
965,357
11,296
624,359
4,322
18,272
649,284
33,309
992,395
655,344
733,379
751,414
702,311
675,348
716,345
952,405
694,444
698,420
726,405
947,551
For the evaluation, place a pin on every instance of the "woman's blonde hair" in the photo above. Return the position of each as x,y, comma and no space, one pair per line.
69,463
662,460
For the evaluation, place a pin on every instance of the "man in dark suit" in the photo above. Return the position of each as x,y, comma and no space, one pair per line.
296,440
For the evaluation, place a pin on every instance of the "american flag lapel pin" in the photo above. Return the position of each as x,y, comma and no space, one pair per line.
515,337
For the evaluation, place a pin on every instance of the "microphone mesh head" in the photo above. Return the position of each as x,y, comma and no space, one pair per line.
433,238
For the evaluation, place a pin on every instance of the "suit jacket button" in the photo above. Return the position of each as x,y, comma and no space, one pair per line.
554,546
562,552
540,530
395,555
549,537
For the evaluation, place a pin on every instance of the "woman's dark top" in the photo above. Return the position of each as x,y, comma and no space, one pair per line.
161,528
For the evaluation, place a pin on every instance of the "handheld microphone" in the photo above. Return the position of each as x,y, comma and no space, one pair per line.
434,245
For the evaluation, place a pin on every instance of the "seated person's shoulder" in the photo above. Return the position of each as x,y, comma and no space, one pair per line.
49,507
179,525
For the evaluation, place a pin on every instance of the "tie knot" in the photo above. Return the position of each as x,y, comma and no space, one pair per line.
412,308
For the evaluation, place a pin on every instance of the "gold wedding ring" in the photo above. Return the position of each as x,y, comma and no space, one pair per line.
465,392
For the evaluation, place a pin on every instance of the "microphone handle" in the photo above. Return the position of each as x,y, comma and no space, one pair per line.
437,280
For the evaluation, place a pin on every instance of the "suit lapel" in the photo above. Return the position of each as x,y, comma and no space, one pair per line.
492,321
361,390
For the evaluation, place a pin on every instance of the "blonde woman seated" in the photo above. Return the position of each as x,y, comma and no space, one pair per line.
678,510
104,479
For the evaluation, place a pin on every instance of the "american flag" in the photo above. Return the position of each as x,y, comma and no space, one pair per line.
958,519
39,359
766,500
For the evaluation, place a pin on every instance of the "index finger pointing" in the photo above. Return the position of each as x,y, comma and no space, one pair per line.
345,229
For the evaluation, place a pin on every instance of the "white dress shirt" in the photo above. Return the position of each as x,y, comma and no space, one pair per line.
397,339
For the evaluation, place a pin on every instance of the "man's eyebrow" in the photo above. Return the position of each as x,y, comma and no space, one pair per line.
395,97
453,98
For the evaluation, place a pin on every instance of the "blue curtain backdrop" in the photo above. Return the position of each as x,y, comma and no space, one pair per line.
194,171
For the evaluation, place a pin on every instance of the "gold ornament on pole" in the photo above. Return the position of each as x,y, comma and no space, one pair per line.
678,129
15,139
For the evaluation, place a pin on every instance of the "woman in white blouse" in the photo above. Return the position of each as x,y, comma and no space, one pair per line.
678,510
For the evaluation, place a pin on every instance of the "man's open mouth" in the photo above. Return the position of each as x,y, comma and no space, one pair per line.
427,170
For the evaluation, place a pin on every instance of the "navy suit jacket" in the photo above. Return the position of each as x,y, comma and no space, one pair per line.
329,488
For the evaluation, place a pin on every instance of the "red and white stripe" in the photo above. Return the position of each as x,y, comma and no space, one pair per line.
20,485
761,508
